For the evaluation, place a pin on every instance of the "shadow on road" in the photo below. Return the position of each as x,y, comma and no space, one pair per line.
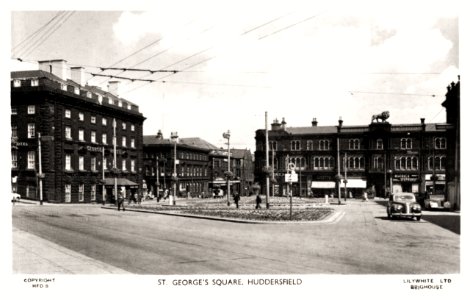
445,220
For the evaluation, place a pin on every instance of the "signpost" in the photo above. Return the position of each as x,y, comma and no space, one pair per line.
291,177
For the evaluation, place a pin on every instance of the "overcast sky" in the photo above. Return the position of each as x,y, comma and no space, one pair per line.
299,61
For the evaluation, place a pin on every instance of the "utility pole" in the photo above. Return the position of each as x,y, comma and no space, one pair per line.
339,174
103,194
158,180
40,168
267,159
345,176
114,161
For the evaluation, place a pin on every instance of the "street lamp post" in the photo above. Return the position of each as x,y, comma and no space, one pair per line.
391,180
174,137
226,135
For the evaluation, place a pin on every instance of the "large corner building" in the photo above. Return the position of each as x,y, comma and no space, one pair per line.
63,135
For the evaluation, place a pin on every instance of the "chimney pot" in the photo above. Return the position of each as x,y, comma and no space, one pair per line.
113,88
58,67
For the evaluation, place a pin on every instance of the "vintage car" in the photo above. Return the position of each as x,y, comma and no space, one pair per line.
403,205
15,197
436,202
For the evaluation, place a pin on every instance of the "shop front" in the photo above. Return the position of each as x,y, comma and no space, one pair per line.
435,184
408,183
355,187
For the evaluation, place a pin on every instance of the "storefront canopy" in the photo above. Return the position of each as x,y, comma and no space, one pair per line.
356,183
323,184
120,182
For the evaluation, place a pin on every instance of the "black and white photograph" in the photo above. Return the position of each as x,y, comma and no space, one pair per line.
220,148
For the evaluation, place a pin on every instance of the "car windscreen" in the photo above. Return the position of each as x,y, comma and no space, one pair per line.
404,198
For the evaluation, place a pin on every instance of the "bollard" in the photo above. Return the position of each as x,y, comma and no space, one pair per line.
326,199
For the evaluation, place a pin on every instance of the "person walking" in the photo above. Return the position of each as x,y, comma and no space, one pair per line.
258,202
236,198
121,201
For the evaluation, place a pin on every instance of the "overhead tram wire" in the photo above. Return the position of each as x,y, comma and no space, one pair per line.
207,49
37,31
289,26
40,37
391,93
52,31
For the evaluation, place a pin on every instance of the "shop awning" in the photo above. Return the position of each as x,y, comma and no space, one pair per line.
120,182
224,182
355,183
323,184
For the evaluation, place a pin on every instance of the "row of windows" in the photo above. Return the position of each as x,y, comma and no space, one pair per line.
81,192
183,171
93,163
76,90
104,121
104,137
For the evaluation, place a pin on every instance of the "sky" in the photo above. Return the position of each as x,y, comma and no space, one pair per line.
238,60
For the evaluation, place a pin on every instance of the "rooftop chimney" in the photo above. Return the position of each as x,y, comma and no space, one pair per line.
340,122
113,88
314,122
58,67
78,75
275,125
159,135
423,125
283,123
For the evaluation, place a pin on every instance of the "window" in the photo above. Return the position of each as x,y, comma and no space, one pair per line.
406,143
379,144
88,94
324,145
105,163
68,132
104,121
124,141
355,162
104,138
100,99
123,125
309,145
81,192
354,144
81,135
323,162
93,164
437,163
31,130
93,120
132,127
93,192
76,90
68,193
129,106
93,136
14,159
81,163
34,82
124,167
31,160
14,131
14,111
68,113
63,87
378,163
31,109
406,163
295,145
16,83
81,117
120,103
133,143
440,143
132,165
68,162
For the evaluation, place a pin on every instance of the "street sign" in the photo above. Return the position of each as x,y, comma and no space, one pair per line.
291,177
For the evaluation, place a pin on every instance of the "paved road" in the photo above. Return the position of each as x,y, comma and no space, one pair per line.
363,241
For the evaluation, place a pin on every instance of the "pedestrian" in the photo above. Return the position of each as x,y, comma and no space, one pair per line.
236,198
121,201
258,202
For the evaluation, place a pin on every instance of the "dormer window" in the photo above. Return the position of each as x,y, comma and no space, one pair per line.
120,103
34,82
110,101
76,90
129,106
17,83
88,94
100,99
63,86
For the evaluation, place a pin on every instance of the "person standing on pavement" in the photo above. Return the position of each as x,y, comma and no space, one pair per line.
236,198
258,202
121,201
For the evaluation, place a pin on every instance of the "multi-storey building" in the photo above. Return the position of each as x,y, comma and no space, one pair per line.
377,158
192,165
63,136
200,167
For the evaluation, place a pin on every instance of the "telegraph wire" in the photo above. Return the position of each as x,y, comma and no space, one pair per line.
391,93
49,33
38,30
289,26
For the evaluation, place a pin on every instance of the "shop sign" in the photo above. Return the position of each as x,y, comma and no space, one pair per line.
94,149
24,144
405,177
